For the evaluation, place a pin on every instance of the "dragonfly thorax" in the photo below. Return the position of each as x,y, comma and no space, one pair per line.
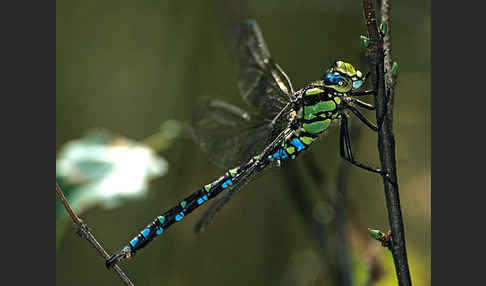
321,101
319,106
316,107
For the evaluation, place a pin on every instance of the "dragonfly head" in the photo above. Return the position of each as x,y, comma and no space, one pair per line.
343,77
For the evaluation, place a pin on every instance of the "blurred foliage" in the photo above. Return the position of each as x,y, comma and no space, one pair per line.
104,169
128,66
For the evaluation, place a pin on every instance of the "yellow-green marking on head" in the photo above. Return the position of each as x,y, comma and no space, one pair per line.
346,68
343,76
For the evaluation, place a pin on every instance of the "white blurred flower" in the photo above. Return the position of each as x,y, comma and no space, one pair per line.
105,169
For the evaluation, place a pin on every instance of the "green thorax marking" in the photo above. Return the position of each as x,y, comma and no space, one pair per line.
317,112
317,127
312,111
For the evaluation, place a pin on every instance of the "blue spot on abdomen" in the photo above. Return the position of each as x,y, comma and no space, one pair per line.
279,154
134,242
227,183
202,199
179,216
298,144
146,232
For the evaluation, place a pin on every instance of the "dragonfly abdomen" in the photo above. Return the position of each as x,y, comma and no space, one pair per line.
160,224
291,147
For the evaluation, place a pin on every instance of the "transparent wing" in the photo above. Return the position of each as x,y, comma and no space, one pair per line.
262,83
251,174
230,135
209,214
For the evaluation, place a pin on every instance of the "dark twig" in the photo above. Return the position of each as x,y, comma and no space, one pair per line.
305,206
340,221
83,231
386,140
342,272
389,76
319,177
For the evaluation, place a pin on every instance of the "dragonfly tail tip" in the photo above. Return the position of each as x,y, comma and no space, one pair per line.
117,256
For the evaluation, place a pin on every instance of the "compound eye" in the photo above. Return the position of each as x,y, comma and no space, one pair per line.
357,84
328,79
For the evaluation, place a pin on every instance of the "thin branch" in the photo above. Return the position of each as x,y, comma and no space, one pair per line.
341,272
83,231
340,221
304,205
386,140
390,78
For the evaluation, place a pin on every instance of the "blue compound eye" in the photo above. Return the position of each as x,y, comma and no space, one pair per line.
357,84
332,79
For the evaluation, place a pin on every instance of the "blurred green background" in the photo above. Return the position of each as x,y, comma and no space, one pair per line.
128,66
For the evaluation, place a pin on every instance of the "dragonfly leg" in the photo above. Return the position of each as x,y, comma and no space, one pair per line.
380,117
347,152
362,118
117,256
362,92
346,149
368,106
362,103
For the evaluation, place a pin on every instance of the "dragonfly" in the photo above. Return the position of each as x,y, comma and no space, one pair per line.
285,124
